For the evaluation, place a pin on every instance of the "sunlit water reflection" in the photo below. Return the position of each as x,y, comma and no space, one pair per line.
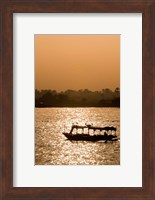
52,147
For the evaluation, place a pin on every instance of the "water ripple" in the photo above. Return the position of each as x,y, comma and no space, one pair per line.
52,148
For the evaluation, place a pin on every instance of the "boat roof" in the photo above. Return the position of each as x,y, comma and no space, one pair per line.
94,127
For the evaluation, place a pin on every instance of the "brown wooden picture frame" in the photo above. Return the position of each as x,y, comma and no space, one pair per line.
7,9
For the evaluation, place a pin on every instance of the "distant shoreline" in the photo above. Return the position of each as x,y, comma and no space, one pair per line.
80,98
77,107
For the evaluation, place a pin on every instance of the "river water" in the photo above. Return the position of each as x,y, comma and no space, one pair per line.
52,147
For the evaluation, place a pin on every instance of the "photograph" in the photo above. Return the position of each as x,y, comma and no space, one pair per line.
77,99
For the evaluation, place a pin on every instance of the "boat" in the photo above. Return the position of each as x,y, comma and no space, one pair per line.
107,133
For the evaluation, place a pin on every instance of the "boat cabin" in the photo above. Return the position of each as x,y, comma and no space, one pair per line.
105,130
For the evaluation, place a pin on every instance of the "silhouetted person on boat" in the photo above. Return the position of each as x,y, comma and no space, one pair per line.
105,134
106,137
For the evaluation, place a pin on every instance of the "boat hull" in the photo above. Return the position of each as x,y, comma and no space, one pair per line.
87,137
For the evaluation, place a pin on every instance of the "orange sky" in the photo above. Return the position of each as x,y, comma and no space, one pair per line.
77,62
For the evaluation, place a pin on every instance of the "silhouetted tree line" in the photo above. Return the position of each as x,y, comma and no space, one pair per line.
80,98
